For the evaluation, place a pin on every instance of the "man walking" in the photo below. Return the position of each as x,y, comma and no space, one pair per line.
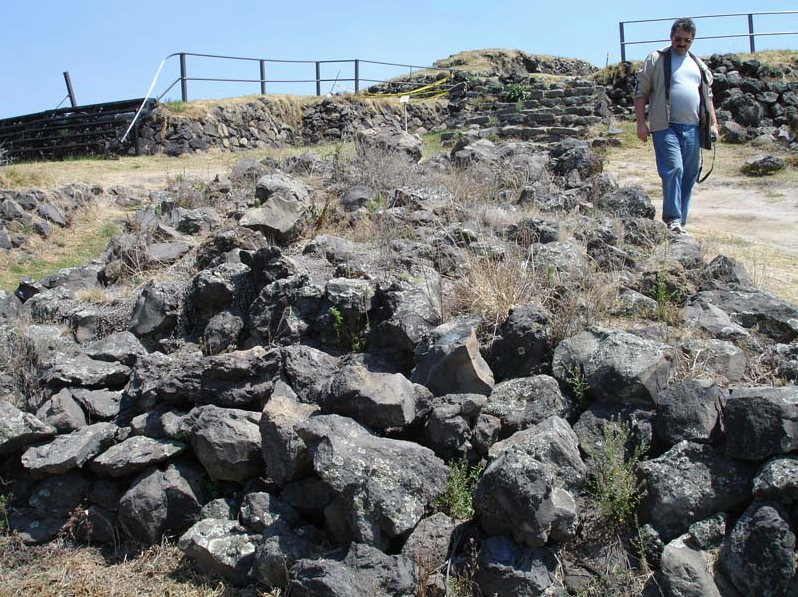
676,85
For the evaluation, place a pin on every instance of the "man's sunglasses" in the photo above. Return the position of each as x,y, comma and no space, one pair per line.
685,40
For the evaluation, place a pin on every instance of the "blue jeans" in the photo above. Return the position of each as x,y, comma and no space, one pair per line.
677,149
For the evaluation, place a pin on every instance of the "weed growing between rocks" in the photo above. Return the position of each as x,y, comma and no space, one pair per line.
456,501
19,361
613,481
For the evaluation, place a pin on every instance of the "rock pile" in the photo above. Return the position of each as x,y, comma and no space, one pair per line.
292,407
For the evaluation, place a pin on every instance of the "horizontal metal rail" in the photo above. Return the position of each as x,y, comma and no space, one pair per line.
751,35
183,79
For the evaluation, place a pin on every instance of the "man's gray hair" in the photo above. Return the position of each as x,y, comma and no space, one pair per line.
685,25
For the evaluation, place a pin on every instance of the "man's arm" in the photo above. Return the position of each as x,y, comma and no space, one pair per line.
713,119
640,117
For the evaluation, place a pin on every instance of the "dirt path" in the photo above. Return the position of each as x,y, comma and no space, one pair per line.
754,220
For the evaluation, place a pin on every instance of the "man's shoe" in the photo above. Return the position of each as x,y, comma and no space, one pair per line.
676,227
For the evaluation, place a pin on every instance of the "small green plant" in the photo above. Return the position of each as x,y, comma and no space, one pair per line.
456,501
109,229
577,381
353,338
5,503
612,473
516,92
375,204
667,302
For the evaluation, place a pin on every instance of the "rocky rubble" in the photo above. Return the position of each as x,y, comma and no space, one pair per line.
289,401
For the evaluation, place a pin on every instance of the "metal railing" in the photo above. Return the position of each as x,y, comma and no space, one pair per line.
183,79
750,35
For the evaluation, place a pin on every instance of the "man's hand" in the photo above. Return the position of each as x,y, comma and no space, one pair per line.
715,132
642,131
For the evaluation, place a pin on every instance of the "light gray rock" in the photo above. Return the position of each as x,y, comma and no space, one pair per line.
777,480
99,405
82,371
18,428
716,357
70,451
280,219
616,365
120,347
523,402
264,513
227,443
308,371
133,455
453,427
284,452
220,547
282,185
384,485
452,363
754,308
391,140
377,400
685,573
62,412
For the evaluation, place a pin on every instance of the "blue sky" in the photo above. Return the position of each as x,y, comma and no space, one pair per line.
112,50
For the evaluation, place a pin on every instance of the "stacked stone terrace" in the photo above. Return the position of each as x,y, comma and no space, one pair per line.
550,112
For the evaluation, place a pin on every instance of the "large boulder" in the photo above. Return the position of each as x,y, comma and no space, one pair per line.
689,410
689,483
390,140
284,452
452,363
615,365
627,202
383,486
70,451
18,428
685,572
761,422
524,492
220,548
526,401
360,571
759,553
162,502
505,568
377,400
456,428
133,455
227,442
523,344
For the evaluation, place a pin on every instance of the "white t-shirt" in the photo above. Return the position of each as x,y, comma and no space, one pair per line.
685,81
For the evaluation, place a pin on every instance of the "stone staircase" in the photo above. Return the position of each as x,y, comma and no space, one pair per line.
549,112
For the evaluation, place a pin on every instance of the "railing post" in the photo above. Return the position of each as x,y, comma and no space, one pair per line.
623,46
183,81
751,32
69,89
318,78
263,77
357,76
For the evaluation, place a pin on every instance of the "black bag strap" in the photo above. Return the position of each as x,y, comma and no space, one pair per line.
667,68
701,167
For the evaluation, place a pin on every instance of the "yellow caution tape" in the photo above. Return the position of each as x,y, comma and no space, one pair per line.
415,91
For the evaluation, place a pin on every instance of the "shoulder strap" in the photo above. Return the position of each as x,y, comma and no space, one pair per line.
666,66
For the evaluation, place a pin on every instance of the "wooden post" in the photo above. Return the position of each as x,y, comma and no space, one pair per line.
357,76
318,78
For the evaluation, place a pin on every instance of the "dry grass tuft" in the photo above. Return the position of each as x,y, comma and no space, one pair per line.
60,569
